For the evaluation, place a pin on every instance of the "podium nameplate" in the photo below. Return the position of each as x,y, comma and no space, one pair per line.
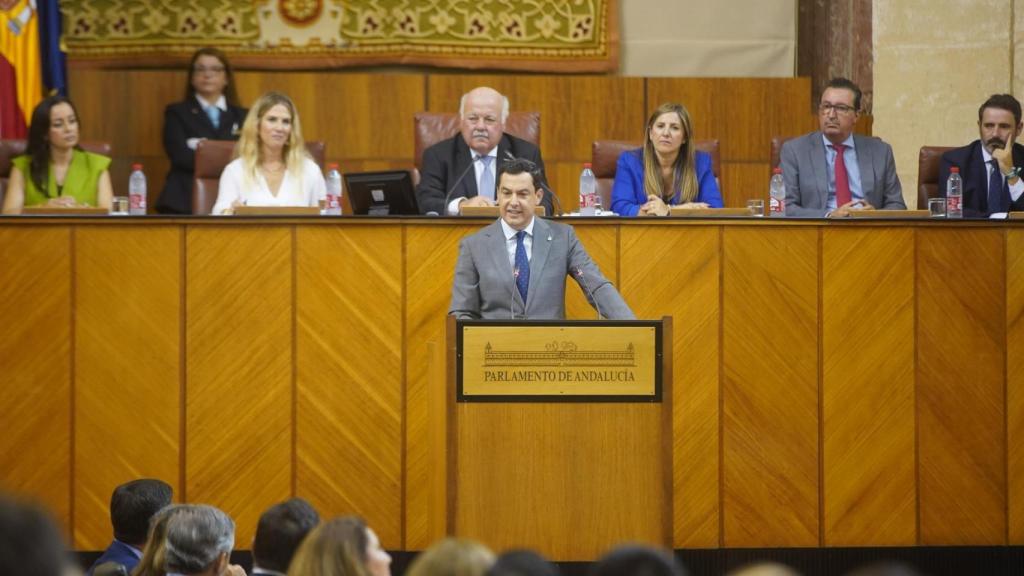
562,361
277,211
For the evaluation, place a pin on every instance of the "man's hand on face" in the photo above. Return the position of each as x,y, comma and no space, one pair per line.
1004,156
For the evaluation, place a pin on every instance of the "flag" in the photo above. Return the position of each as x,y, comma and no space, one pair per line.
31,63
54,69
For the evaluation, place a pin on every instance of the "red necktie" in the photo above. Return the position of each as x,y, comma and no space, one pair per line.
842,180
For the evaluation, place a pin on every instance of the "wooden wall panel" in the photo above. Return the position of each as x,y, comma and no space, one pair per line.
961,363
1015,385
770,387
676,272
601,243
35,352
128,377
867,387
349,373
742,181
239,342
431,251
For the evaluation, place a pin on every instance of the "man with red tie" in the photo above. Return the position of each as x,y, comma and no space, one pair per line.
833,171
991,165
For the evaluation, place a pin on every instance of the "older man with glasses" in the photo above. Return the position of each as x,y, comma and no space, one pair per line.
831,172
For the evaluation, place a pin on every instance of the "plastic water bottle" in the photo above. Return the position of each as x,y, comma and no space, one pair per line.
334,190
954,194
137,191
588,192
777,192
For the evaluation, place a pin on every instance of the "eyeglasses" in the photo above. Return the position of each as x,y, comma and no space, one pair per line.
827,108
205,69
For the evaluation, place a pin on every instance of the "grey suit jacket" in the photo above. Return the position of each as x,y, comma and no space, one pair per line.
484,286
805,172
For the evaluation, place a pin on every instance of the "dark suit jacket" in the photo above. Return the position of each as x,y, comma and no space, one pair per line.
975,176
445,161
117,552
182,121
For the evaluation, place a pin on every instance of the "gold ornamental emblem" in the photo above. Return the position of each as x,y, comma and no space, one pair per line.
299,12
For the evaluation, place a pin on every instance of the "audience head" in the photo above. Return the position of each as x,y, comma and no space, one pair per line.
522,563
519,192
272,131
764,569
885,569
453,557
154,554
54,127
638,561
999,121
668,138
199,541
482,115
280,531
133,504
341,547
210,76
839,109
30,543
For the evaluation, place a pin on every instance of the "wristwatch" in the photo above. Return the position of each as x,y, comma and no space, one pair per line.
1013,172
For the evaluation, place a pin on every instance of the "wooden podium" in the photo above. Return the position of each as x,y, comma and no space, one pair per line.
559,435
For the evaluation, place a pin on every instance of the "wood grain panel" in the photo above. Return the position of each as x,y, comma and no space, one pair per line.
1015,384
867,387
349,373
35,352
531,475
601,242
742,181
431,252
960,386
127,367
239,322
684,283
770,394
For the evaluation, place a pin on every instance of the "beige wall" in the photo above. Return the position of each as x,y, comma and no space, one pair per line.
936,61
752,38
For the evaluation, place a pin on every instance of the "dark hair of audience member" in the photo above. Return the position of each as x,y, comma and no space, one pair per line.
133,504
154,553
30,543
453,557
522,563
885,569
280,531
635,560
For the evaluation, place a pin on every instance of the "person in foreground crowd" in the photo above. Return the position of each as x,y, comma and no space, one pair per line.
884,569
55,171
453,557
632,560
154,554
667,170
522,563
833,171
30,543
199,543
991,165
465,168
132,506
279,533
341,547
516,266
211,111
272,167
764,569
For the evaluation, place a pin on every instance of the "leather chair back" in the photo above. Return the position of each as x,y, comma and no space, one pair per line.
928,174
604,158
777,142
11,148
211,158
433,127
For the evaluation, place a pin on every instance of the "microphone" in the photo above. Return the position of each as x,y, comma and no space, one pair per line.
544,187
448,196
578,273
512,295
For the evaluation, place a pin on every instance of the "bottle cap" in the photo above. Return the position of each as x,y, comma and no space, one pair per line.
777,170
332,165
954,170
586,164
136,166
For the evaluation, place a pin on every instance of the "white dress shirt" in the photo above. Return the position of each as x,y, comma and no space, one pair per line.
305,190
478,169
510,241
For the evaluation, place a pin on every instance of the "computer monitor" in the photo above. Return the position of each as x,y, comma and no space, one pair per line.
381,193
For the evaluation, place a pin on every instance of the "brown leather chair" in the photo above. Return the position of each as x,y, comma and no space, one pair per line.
777,142
604,158
433,127
928,174
211,158
11,148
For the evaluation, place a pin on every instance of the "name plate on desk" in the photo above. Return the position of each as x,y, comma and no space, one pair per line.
680,212
492,211
567,361
890,214
277,211
65,211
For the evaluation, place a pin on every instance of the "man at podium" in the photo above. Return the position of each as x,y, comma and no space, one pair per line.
515,268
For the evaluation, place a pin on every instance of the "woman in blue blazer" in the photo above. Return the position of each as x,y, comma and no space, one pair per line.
666,171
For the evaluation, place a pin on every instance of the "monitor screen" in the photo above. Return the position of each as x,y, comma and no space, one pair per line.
381,193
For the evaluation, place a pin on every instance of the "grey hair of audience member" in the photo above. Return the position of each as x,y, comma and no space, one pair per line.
764,569
636,560
197,536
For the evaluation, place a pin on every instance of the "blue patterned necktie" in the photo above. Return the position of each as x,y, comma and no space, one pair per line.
995,189
486,187
214,113
522,265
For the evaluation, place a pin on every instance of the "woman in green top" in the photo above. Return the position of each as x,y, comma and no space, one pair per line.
55,171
